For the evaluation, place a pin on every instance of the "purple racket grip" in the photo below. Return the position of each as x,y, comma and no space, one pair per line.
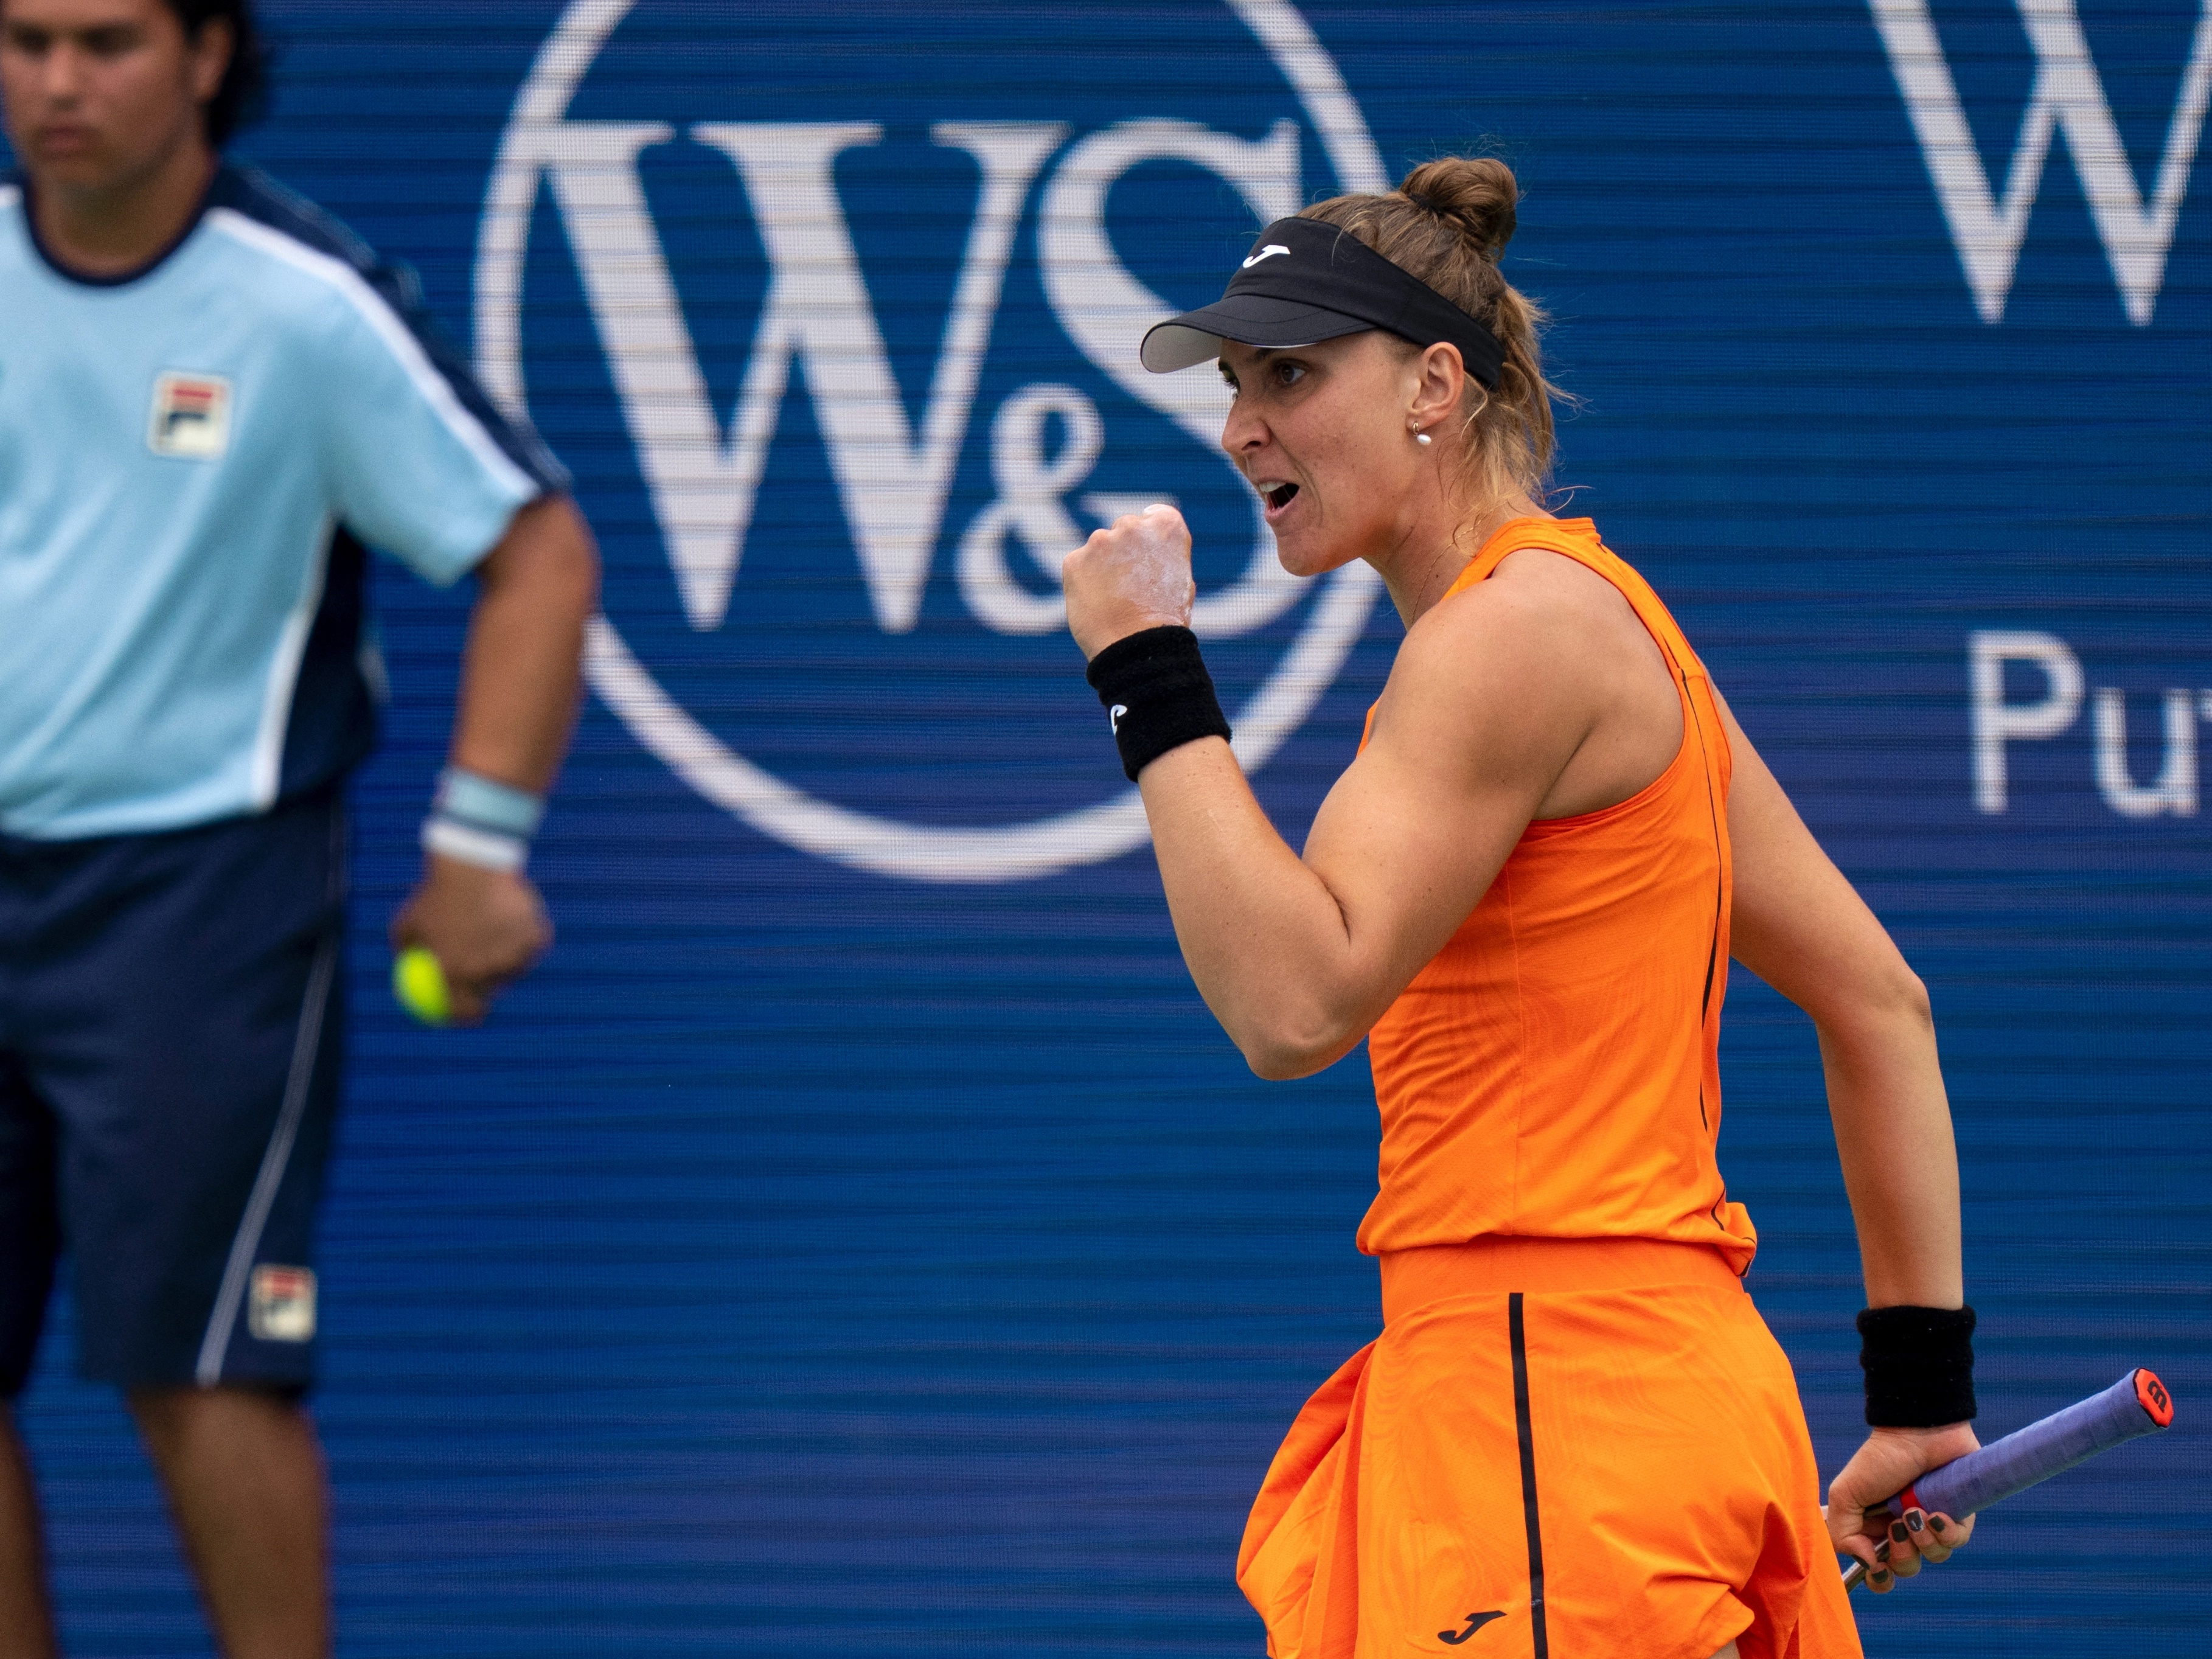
2137,1404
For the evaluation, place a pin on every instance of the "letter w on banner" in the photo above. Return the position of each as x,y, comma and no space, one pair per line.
891,479
2068,95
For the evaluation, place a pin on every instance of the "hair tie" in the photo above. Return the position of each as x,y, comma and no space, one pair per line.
1421,202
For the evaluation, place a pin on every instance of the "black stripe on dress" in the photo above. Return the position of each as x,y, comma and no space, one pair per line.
1543,1646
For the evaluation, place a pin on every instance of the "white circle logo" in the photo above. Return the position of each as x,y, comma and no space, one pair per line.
891,468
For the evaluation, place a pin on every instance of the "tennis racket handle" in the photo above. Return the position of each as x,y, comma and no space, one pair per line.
2137,1404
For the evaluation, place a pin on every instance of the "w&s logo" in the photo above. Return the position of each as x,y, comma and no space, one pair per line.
835,318
2067,96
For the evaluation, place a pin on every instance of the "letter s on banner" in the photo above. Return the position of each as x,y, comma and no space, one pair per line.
1106,311
1997,722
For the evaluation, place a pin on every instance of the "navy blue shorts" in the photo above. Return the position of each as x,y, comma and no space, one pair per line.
170,1022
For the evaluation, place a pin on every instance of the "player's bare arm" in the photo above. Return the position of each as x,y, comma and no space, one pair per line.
1800,926
521,683
1536,695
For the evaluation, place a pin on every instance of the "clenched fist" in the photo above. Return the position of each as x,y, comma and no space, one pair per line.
1130,577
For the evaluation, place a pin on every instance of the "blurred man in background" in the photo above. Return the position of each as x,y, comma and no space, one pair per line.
212,397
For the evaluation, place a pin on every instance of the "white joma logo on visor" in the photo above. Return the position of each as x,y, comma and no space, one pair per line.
1272,248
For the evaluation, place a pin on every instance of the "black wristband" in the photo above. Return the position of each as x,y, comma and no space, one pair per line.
1157,695
1919,1364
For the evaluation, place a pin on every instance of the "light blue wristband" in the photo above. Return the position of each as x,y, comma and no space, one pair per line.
477,802
478,821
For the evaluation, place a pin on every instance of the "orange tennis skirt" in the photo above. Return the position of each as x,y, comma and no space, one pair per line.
1586,1447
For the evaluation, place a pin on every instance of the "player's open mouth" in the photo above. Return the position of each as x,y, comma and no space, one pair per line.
1278,496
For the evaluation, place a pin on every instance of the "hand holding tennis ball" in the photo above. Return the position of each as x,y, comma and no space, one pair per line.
464,935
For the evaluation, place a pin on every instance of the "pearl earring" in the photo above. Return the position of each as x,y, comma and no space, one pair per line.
1421,438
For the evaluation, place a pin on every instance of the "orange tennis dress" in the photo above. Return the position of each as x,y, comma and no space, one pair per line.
1575,1435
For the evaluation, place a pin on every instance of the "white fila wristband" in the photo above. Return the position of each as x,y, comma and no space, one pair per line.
487,849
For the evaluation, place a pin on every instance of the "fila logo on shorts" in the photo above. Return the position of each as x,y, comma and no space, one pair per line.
281,1308
190,415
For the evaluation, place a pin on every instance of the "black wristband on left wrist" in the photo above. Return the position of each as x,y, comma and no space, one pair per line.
1157,695
1919,1365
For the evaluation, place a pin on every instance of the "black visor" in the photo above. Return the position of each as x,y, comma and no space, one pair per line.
1305,282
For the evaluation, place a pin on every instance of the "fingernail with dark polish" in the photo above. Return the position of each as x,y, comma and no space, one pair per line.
1881,1577
1897,1531
1936,1521
1913,1520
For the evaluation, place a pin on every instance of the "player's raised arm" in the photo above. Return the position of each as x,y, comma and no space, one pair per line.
1800,926
1297,957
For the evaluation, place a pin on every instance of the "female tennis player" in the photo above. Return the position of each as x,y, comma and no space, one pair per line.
1524,892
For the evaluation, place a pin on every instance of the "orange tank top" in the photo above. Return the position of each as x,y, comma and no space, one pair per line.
1554,1071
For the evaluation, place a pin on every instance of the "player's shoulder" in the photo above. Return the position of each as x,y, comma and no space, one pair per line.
1546,582
1534,644
1534,598
286,244
249,194
373,305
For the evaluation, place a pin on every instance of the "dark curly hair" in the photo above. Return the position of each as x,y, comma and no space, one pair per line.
245,88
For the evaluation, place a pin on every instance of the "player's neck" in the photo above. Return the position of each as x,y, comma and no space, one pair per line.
1432,555
123,225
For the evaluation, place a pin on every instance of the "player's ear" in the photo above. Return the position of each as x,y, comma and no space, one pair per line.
1440,376
208,55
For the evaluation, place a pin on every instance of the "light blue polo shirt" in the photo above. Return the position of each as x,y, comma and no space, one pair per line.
192,458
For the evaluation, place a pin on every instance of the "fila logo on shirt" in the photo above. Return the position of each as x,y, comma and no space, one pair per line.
2066,96
872,333
190,415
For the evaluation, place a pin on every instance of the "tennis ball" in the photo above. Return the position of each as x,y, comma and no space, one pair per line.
419,982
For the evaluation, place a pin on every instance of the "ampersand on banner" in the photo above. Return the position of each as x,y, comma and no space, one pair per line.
1030,506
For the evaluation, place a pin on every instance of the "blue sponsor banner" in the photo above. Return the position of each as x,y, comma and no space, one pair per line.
857,1236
